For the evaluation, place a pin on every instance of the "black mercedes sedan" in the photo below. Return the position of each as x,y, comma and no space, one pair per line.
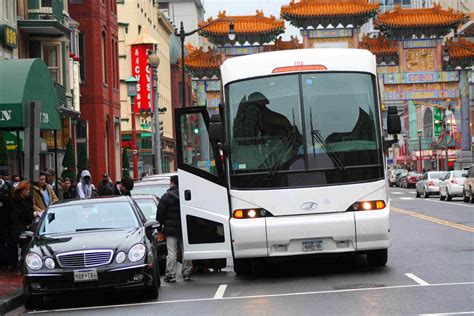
103,244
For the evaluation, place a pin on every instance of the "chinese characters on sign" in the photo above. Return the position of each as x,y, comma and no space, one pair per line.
8,36
141,70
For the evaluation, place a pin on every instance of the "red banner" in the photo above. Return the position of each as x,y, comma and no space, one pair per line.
141,70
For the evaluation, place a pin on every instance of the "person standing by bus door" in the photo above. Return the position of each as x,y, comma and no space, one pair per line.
169,215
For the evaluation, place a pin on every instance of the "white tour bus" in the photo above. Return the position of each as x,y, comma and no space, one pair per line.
293,165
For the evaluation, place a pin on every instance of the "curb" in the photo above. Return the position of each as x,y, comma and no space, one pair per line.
11,301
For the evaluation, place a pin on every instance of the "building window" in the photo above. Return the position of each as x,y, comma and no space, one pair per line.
428,124
82,55
9,10
104,59
51,56
116,61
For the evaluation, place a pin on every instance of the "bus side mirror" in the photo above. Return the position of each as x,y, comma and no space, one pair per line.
216,129
394,125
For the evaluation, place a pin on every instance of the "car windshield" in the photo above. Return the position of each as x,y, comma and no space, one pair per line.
459,174
437,175
90,216
304,129
157,189
148,207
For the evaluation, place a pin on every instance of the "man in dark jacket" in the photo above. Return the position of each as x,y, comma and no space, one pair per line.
169,216
124,187
106,187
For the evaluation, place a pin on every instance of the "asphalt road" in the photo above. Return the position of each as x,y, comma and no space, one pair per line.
430,271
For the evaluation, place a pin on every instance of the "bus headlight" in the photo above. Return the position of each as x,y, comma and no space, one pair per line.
251,213
367,205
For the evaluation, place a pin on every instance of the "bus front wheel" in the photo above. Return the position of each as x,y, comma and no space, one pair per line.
377,258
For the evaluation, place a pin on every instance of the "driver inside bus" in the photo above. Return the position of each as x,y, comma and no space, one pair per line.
269,134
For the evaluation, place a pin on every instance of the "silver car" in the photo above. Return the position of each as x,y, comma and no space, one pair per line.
429,184
452,184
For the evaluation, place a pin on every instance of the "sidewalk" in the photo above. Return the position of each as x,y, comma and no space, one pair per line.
11,292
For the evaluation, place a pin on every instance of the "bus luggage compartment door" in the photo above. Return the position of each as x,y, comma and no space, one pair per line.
311,234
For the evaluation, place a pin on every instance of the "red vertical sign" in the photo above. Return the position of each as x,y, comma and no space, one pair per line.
141,70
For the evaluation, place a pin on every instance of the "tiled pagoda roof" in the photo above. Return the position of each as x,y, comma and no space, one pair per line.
252,28
379,45
426,21
203,64
280,44
462,49
324,12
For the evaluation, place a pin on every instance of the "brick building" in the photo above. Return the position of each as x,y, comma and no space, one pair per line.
100,94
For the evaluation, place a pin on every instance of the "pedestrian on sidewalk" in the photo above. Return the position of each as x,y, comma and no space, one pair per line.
43,196
106,187
85,188
169,215
22,216
6,246
68,191
124,187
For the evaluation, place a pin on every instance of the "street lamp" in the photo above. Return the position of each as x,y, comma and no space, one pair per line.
154,62
419,133
182,36
132,93
405,141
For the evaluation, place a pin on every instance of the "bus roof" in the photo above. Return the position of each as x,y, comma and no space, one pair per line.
298,60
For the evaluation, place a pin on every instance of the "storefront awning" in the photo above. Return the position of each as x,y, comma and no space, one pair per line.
23,81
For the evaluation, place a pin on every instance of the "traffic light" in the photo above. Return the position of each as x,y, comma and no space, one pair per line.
161,128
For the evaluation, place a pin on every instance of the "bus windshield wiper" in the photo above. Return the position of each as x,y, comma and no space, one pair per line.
316,135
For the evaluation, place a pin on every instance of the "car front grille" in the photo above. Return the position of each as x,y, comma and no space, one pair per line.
85,258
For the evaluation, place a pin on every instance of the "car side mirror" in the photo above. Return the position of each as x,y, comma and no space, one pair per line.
152,225
27,235
394,125
216,129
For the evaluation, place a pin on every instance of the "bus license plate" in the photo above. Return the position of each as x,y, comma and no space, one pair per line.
85,275
312,245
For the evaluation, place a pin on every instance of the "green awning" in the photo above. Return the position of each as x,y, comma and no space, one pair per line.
23,81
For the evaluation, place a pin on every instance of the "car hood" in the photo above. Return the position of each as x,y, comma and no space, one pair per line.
115,239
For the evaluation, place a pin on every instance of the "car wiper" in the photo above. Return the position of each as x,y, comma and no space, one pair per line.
92,228
316,135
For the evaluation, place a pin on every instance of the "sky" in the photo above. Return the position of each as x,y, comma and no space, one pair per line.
249,7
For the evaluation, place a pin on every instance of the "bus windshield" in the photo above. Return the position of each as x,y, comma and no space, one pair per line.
304,129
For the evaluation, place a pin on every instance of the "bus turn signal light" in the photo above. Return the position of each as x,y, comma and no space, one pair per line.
367,206
251,213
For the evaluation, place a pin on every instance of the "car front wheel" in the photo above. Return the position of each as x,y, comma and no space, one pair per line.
153,292
243,266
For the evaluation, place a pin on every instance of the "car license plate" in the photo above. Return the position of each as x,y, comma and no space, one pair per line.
312,245
85,275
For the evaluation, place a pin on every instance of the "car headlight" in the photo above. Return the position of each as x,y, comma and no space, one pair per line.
49,263
33,261
137,252
120,257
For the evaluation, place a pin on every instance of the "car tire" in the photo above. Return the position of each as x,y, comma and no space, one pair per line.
377,258
162,266
425,194
243,267
33,302
441,197
449,197
153,291
472,197
417,193
465,198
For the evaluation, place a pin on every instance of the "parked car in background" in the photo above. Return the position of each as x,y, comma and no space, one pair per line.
392,180
410,179
87,244
161,176
400,177
468,187
452,185
157,187
148,204
429,184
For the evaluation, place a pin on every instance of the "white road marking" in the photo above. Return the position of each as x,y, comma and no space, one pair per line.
417,279
397,193
255,296
406,198
454,313
447,202
220,291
